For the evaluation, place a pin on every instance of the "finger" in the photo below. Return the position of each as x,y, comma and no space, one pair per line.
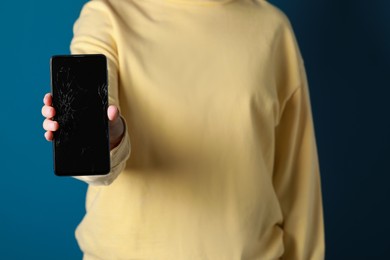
47,99
50,125
49,135
48,111
112,113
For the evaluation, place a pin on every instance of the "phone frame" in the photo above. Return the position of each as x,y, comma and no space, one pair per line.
56,170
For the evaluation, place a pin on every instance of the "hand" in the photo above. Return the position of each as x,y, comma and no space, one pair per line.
115,122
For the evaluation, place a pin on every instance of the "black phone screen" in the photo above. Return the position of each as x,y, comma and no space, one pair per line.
80,97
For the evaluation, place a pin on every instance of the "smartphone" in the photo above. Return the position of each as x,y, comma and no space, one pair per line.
79,87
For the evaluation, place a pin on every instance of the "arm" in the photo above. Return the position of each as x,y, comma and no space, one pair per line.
296,174
297,180
93,33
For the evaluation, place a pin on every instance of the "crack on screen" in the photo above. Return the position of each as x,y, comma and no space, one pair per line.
103,94
67,91
85,150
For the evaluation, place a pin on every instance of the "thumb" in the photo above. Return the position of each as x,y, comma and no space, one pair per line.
113,113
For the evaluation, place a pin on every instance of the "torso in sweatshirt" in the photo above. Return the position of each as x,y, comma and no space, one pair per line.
223,161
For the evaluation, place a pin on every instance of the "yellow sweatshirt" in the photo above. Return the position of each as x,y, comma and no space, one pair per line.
223,162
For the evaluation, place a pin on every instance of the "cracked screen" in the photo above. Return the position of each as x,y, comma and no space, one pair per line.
80,98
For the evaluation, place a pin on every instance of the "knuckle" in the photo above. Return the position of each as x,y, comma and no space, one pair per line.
43,111
47,124
48,111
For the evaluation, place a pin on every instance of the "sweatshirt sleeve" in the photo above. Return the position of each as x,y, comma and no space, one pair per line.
296,166
93,34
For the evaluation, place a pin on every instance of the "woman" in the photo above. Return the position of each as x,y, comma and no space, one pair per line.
212,95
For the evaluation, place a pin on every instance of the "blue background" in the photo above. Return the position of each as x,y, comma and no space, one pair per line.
346,48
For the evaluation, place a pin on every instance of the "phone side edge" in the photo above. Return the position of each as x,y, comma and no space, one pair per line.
55,170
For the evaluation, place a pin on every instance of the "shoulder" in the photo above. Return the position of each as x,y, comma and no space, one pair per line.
97,5
109,9
100,6
98,12
272,14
